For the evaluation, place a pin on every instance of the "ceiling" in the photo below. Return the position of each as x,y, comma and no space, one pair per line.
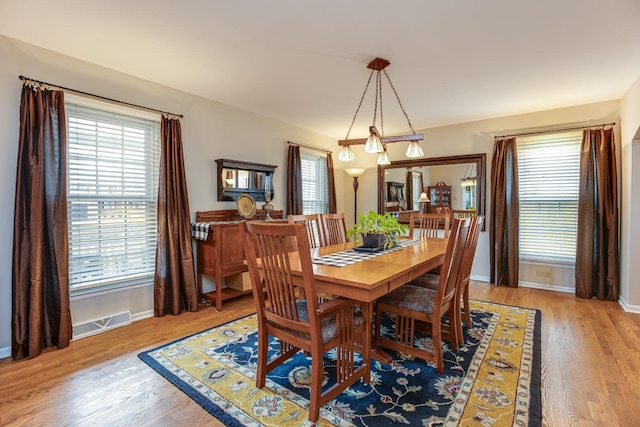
303,62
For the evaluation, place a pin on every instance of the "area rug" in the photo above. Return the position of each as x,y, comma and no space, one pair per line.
492,380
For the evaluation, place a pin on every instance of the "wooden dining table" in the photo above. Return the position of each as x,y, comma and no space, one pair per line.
369,279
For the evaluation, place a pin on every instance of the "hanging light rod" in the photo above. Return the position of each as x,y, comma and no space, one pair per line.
383,139
376,142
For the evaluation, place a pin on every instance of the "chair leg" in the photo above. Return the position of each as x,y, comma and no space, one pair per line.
467,310
437,347
263,347
316,387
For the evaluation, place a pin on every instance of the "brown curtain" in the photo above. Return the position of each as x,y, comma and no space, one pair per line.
408,194
294,181
597,267
40,312
174,282
505,212
331,185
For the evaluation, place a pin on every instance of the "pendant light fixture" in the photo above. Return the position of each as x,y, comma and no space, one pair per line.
376,142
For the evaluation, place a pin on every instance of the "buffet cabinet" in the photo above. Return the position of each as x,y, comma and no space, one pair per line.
221,255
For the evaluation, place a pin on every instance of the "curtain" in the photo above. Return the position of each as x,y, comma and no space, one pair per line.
41,316
331,185
294,181
408,195
597,267
174,282
503,232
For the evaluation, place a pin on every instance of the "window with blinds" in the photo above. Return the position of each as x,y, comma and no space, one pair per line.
548,178
113,168
315,197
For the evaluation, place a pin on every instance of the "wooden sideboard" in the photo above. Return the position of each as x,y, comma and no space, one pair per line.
221,255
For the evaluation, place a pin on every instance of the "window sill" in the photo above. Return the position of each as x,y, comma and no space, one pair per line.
551,262
111,287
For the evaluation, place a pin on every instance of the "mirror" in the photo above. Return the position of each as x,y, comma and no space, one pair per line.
236,177
440,178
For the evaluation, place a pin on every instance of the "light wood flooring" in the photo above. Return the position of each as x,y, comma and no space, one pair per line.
590,368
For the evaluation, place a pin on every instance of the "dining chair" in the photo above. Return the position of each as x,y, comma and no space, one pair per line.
301,324
414,304
428,225
312,224
429,280
463,213
334,228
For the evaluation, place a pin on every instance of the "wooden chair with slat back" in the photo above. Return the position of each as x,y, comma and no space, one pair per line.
312,224
334,228
301,324
413,304
431,281
462,213
428,225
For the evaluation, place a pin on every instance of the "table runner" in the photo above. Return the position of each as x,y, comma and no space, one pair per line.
350,256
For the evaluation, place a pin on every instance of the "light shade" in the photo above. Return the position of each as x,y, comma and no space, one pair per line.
373,144
414,149
346,154
423,198
355,172
383,158
469,181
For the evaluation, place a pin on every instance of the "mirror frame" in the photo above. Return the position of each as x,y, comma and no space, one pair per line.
479,160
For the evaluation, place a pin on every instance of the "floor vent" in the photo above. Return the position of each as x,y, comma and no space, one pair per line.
96,326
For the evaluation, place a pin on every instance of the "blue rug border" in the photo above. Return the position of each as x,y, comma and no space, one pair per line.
535,407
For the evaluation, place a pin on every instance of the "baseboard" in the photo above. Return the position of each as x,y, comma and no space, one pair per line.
479,278
628,308
5,352
141,315
545,287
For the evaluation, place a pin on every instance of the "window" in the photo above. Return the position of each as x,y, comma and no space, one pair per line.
548,178
113,168
315,198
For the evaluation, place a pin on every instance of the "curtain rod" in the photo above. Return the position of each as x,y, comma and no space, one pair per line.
310,147
98,96
554,130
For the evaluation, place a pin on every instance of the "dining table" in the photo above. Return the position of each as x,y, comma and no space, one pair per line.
340,270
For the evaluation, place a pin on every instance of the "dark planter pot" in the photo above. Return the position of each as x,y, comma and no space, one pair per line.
373,240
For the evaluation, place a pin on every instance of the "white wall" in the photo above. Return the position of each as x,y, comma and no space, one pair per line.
477,137
210,131
630,237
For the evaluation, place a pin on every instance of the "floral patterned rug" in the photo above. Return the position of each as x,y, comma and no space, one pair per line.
492,380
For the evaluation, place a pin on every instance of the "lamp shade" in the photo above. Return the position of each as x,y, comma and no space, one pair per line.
423,198
373,144
414,149
346,155
355,172
383,158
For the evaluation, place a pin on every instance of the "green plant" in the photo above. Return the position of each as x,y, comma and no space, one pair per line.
375,223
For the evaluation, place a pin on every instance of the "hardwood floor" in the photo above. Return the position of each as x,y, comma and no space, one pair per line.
590,368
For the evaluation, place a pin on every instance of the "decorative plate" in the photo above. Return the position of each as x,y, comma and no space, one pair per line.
246,206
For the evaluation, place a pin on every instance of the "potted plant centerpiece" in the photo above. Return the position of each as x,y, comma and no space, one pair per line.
378,230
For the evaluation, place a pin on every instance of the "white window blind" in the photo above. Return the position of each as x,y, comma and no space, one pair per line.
548,178
315,197
113,168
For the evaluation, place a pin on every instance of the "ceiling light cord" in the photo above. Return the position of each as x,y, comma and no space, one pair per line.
360,104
